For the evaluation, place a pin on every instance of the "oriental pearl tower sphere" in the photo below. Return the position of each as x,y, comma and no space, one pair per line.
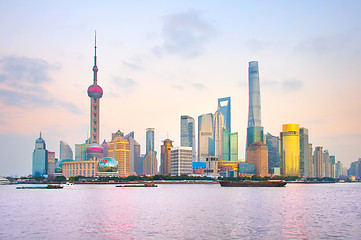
95,92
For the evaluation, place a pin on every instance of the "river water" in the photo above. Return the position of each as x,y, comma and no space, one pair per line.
199,211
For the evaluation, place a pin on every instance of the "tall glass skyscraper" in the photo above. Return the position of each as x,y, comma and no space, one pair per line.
218,125
65,151
40,158
149,141
304,161
224,105
254,129
205,131
318,162
273,143
290,150
188,134
230,146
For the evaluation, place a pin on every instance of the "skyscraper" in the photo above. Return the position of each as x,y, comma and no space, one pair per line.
326,164
224,105
218,125
65,151
119,150
40,158
273,144
149,141
188,134
254,129
95,92
150,163
134,149
311,172
257,154
304,161
318,162
230,145
181,161
332,166
290,150
205,132
165,158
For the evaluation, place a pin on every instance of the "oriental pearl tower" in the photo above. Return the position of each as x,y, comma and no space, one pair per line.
95,92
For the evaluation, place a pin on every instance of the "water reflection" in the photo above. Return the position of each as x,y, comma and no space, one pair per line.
182,212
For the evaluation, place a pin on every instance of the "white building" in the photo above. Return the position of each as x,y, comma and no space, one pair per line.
181,161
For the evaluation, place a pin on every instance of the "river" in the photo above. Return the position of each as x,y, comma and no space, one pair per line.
182,211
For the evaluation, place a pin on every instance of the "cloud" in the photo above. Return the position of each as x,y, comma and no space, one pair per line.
185,35
285,85
198,86
132,66
177,87
22,82
124,85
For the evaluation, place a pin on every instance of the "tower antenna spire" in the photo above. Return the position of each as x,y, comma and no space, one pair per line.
95,49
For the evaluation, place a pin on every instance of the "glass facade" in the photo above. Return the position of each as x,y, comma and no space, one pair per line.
273,143
218,125
65,151
224,105
149,140
254,113
246,169
188,134
226,145
290,150
304,161
254,134
318,162
205,124
234,147
40,158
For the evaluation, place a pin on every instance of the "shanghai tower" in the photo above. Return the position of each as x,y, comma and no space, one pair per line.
254,129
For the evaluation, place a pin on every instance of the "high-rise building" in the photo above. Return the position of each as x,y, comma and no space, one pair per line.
188,134
304,161
318,162
95,92
51,163
149,141
311,172
80,152
230,146
254,129
338,169
224,105
181,161
326,164
65,151
165,157
205,132
150,163
332,166
257,154
40,158
119,150
273,144
218,125
134,148
290,150
105,147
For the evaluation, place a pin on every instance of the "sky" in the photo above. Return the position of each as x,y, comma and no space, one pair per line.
159,60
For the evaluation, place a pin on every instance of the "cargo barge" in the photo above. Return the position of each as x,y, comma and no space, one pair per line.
138,185
252,183
42,187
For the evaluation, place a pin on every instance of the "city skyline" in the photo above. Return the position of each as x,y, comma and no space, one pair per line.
309,79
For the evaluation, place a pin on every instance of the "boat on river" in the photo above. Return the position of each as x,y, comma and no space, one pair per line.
138,185
50,186
252,183
4,181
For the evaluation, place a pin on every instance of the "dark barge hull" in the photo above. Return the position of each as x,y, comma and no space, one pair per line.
252,183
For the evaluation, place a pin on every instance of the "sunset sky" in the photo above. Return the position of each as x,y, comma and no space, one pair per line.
159,60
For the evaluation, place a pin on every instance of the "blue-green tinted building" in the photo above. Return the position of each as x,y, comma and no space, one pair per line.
224,105
246,169
188,134
149,141
254,134
40,158
230,145
273,143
